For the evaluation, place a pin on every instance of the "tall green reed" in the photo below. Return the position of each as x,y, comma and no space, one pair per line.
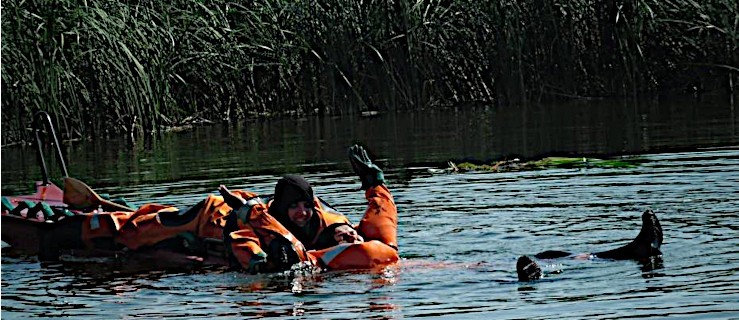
105,68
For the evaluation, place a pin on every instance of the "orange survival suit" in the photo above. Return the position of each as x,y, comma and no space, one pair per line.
251,231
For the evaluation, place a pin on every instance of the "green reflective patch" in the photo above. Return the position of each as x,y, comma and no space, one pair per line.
7,205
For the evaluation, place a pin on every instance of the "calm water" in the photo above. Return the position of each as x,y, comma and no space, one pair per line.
459,234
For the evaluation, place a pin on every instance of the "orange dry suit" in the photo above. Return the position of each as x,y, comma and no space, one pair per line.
256,230
378,227
251,231
155,224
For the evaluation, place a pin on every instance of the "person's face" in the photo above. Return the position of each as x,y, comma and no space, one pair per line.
300,212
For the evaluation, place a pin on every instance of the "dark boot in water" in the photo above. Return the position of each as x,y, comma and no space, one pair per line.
66,234
527,269
645,245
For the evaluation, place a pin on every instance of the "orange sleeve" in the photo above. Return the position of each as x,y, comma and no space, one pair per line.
244,245
362,255
380,221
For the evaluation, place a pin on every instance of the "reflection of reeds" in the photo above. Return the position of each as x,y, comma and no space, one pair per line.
102,66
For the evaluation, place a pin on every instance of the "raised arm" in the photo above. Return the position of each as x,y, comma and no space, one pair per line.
379,225
380,221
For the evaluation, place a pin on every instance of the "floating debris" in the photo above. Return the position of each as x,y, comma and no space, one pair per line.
545,163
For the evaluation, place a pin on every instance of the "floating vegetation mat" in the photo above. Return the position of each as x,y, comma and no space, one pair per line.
545,163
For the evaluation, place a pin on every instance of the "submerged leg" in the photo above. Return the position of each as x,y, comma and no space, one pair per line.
79,232
552,254
63,235
645,245
527,269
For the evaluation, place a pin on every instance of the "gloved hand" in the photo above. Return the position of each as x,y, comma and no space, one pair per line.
258,263
370,174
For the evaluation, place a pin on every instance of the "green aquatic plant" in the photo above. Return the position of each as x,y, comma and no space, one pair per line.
564,162
545,163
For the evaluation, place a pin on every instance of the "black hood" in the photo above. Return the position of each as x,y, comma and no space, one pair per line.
289,189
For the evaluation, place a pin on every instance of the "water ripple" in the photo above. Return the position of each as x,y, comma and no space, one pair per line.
460,235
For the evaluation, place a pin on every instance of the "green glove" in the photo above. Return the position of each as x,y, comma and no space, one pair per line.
370,174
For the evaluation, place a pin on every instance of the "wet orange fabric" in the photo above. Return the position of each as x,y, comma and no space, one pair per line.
363,255
380,221
257,232
244,245
108,224
144,227
379,227
261,228
257,229
326,219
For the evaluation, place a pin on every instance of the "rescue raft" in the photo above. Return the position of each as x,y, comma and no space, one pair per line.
25,218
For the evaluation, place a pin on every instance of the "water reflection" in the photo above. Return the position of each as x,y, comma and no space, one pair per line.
648,266
404,140
460,234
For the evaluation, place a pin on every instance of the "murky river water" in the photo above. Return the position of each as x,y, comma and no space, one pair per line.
459,234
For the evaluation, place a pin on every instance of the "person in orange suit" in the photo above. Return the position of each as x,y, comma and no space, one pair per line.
258,234
297,227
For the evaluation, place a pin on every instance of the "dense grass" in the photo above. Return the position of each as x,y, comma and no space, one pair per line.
106,67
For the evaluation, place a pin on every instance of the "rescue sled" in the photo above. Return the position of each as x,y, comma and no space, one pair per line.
26,217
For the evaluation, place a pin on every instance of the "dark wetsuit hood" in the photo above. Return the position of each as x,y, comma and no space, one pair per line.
291,189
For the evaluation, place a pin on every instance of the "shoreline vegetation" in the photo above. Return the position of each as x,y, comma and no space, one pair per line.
106,68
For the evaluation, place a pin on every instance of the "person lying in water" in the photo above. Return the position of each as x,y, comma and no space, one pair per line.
313,223
256,233
312,228
645,246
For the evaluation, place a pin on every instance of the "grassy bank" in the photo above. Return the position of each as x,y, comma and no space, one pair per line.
111,67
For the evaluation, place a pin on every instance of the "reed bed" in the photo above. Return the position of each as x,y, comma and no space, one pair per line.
106,68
